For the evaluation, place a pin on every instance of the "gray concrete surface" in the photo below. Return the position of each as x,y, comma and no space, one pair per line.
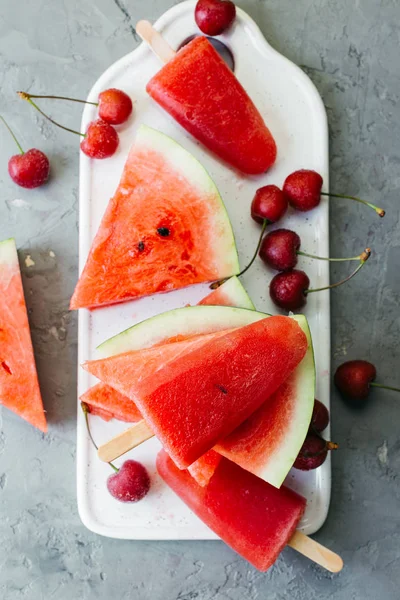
351,51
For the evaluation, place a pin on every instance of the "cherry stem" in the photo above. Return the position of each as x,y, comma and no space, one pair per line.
264,225
13,135
378,210
26,97
59,98
328,446
217,284
385,387
86,410
301,253
363,259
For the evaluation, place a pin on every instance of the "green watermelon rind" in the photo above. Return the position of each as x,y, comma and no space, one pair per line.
281,461
8,252
235,293
189,321
185,164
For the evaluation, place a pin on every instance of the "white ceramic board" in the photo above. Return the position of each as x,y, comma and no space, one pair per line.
293,110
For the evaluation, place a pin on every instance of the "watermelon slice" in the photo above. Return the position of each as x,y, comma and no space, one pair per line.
208,384
165,228
204,467
230,293
19,386
107,403
268,443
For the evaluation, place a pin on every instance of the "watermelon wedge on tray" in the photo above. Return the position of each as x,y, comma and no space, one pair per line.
165,228
208,384
275,444
107,403
19,386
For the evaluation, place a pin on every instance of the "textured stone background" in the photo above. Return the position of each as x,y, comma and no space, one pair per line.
351,51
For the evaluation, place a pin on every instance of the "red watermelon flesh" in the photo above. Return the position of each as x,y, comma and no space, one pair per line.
102,413
19,386
108,404
165,228
196,392
204,467
139,365
252,517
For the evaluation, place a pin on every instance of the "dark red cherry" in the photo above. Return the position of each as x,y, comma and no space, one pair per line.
288,289
303,189
131,483
279,249
313,452
268,203
100,141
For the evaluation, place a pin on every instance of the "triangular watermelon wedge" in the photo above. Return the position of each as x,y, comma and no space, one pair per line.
194,393
109,404
165,228
106,402
19,387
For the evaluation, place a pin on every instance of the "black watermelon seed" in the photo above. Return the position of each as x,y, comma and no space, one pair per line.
141,246
163,231
221,388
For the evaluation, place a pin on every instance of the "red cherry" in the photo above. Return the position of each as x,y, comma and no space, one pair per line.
279,249
29,170
287,289
303,189
313,452
268,203
214,16
131,483
101,140
353,379
320,417
115,106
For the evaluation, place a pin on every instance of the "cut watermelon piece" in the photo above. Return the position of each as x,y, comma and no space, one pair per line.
19,386
268,443
207,385
230,293
165,228
107,403
204,467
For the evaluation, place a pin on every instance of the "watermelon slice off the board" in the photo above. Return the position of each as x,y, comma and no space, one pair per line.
165,228
19,386
208,384
107,403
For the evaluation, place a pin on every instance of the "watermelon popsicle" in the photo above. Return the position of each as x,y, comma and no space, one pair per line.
203,95
193,393
252,517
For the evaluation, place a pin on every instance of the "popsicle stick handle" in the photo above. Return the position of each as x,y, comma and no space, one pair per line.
125,441
316,552
155,40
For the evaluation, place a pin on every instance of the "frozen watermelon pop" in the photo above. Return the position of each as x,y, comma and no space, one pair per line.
254,518
202,94
193,393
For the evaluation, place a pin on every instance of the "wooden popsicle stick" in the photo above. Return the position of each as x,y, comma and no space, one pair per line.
316,552
155,40
125,441
140,432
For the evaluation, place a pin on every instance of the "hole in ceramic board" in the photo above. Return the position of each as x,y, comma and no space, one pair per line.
223,50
